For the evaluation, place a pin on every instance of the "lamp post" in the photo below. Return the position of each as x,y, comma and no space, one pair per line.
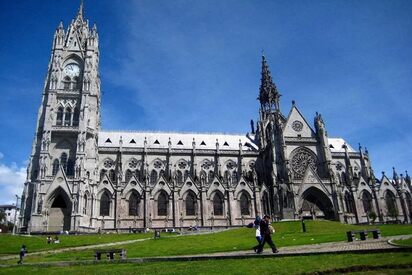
15,214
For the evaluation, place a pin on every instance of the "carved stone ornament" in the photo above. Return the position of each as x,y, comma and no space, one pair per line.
297,126
301,161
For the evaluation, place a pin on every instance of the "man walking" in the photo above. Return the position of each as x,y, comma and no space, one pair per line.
265,233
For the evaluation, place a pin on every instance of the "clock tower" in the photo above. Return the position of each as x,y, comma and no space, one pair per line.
64,152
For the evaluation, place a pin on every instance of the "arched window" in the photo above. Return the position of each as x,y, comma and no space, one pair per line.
128,176
344,178
162,203
85,204
391,204
112,175
179,177
70,167
349,203
218,204
153,177
55,167
367,202
76,115
63,161
59,118
244,205
134,202
66,83
191,204
67,116
105,204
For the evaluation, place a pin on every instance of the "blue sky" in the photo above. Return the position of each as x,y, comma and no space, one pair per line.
195,66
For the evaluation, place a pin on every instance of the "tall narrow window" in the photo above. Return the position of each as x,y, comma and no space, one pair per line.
76,115
162,202
211,176
105,204
85,204
190,204
63,161
349,203
70,167
153,177
55,167
367,202
59,118
128,176
102,173
66,83
134,202
218,204
179,177
244,205
112,175
67,116
234,176
76,83
265,200
391,204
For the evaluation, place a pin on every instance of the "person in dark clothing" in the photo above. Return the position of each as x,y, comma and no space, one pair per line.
265,233
23,252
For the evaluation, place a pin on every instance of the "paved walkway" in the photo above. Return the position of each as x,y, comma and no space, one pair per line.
368,246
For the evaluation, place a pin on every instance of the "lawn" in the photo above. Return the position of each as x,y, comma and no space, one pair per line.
10,244
288,234
404,242
394,263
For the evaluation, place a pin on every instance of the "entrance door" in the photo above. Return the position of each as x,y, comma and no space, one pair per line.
59,215
316,204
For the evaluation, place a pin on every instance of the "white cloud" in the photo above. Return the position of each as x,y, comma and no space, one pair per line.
12,178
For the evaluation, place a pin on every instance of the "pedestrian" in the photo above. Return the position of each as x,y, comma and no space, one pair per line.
265,232
49,239
23,252
256,225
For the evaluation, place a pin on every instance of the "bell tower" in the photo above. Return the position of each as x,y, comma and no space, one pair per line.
64,151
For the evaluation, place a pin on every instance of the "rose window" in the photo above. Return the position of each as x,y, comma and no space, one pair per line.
301,161
182,164
108,163
158,164
297,126
133,163
230,165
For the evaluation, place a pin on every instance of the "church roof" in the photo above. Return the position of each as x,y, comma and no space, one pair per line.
336,145
178,140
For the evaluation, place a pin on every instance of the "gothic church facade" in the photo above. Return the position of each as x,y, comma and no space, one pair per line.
81,178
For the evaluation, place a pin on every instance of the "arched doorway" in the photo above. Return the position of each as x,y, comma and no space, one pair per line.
315,204
60,212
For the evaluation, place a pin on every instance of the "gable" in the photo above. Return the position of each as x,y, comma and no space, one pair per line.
296,125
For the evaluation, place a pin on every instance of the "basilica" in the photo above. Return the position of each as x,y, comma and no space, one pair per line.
81,178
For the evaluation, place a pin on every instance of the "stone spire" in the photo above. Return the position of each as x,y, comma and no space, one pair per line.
268,93
395,175
81,9
407,178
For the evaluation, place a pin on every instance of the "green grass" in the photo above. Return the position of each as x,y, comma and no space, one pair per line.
404,242
275,265
10,244
288,234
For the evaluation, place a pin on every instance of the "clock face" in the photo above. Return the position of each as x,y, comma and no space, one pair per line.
72,70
